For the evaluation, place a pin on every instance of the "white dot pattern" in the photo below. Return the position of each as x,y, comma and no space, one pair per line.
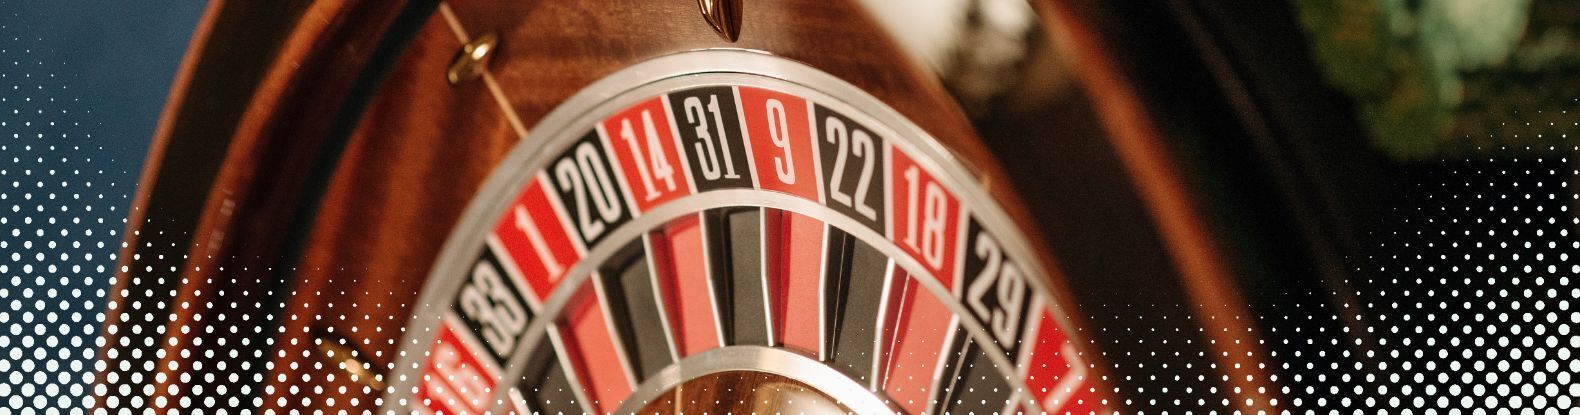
1465,301
61,215
1464,304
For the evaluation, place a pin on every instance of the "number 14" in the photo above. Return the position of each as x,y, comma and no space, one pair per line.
656,164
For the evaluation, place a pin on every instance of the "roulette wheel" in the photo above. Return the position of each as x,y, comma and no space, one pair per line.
733,206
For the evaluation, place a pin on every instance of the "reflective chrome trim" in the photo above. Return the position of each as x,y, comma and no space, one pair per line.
770,303
880,365
677,71
724,16
823,378
708,247
658,298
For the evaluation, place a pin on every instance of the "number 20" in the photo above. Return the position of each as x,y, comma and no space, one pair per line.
583,175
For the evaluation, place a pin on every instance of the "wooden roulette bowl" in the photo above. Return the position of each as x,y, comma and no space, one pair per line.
635,205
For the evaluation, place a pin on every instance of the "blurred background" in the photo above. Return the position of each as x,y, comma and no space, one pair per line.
1457,260
81,89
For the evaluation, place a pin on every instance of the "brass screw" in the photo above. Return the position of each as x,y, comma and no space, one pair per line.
724,16
472,59
333,350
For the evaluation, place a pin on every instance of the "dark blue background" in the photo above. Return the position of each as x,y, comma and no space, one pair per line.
118,56
82,84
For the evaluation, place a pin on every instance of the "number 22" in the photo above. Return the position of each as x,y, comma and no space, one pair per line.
858,144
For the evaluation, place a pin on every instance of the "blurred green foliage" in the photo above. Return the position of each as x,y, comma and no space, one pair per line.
1406,64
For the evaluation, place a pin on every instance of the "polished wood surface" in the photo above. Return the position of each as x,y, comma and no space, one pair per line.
539,67
419,154
425,146
203,268
1174,204
275,267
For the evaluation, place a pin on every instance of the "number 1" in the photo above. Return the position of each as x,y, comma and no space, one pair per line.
525,224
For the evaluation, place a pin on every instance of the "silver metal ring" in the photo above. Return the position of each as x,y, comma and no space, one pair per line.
682,70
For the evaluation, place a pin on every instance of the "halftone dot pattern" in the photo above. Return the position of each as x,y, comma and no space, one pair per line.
61,215
1465,302
1176,356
